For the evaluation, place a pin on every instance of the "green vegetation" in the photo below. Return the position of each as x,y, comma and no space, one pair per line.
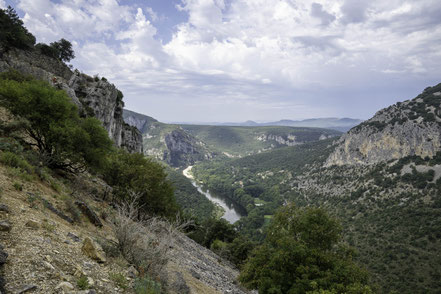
61,50
303,253
119,280
260,179
12,32
63,139
146,285
242,141
133,173
189,199
83,283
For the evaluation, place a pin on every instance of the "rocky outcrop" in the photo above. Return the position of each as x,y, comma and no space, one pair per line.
407,128
94,96
183,149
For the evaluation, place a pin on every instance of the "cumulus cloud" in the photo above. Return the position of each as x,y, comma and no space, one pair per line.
2,4
318,11
288,56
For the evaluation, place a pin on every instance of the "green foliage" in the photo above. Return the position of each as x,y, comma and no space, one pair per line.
134,173
187,196
302,253
12,32
17,186
47,50
64,140
14,160
119,280
64,49
146,285
83,283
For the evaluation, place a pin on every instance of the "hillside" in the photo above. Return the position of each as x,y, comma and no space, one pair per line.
243,141
408,128
183,145
386,191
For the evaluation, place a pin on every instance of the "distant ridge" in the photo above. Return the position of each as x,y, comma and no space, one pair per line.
333,123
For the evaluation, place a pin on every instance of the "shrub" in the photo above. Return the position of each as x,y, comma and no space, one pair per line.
144,242
133,173
17,186
119,280
13,160
146,285
83,283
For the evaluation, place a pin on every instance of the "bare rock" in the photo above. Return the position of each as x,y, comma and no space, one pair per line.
5,226
4,208
32,224
65,286
91,215
93,250
26,288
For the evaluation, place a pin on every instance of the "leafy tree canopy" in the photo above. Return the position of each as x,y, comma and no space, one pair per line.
63,139
302,254
134,173
12,31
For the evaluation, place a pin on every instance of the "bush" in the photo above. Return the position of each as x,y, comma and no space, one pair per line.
144,242
63,139
147,285
14,160
119,280
133,173
83,283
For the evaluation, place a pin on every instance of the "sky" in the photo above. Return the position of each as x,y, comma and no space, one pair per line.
238,60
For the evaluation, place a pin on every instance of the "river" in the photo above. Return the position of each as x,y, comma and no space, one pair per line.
233,212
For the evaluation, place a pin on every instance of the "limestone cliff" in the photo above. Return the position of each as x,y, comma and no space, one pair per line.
408,128
93,96
168,142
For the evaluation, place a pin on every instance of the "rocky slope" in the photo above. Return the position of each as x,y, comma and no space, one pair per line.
167,142
93,96
50,246
408,128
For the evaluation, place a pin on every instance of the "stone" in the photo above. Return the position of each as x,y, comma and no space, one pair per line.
92,250
132,272
91,215
4,208
65,286
26,288
48,265
74,237
32,224
5,226
90,281
3,256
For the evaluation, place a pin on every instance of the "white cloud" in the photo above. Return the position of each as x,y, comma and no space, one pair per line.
2,4
250,52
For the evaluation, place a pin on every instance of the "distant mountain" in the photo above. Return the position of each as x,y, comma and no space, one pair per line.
333,123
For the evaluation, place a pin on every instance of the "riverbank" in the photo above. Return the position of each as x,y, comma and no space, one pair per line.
229,212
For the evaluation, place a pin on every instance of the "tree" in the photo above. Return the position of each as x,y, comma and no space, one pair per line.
130,173
63,139
64,48
12,32
302,254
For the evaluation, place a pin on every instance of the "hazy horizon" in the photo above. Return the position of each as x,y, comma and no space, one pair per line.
239,60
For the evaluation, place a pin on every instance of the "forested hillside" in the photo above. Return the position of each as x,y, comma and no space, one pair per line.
390,210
